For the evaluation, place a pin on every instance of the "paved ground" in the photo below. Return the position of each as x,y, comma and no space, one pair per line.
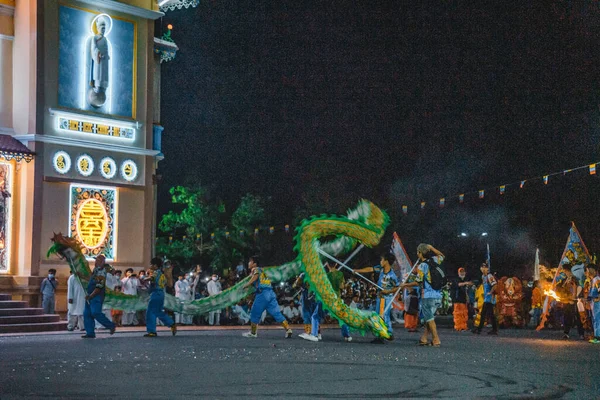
222,364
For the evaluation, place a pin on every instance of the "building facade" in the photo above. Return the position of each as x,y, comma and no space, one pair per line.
79,91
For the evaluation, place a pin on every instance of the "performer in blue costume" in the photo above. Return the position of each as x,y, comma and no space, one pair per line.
389,282
156,305
307,300
265,299
95,297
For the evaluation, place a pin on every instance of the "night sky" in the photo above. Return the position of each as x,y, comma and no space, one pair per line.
316,104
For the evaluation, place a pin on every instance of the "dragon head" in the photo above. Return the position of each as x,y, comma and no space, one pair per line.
377,326
60,244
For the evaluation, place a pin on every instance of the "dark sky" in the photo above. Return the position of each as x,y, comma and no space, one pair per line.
393,101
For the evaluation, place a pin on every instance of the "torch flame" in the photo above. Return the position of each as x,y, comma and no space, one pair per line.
552,294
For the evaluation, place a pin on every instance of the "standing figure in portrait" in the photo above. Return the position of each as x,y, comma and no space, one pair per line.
100,58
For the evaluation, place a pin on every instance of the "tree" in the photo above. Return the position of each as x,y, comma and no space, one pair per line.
203,230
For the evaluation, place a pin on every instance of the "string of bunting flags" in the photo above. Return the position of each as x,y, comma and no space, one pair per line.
502,188
227,233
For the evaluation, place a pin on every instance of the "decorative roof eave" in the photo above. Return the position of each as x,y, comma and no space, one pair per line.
9,155
11,148
167,50
171,5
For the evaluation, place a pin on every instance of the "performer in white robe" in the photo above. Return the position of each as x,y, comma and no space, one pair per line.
183,292
129,286
75,303
214,288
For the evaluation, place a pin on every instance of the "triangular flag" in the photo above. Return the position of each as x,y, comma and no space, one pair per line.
481,194
502,189
545,179
592,169
403,262
577,254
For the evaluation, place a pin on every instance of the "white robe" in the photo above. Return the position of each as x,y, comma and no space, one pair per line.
75,292
129,286
183,291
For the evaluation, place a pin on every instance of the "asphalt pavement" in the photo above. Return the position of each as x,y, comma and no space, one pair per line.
518,364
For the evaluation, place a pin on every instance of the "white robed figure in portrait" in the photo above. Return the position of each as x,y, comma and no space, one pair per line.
99,60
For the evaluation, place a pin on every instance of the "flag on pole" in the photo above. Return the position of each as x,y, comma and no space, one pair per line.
402,258
488,259
536,266
577,254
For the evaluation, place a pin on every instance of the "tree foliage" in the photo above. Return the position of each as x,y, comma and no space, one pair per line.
197,229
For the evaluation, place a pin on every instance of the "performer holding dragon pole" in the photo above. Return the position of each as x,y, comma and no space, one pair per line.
96,289
265,300
388,281
158,281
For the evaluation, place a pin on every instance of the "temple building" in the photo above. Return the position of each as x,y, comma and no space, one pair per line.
79,135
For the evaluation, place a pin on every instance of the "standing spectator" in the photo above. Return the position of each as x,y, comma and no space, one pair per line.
568,289
214,288
117,314
129,286
536,303
411,306
459,300
142,290
489,300
48,290
429,258
75,303
240,270
183,293
199,282
594,295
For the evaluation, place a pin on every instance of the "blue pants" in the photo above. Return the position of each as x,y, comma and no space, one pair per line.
307,310
315,319
93,311
155,310
596,318
265,300
318,315
387,317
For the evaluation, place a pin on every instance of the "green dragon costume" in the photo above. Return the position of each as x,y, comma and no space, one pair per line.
365,224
